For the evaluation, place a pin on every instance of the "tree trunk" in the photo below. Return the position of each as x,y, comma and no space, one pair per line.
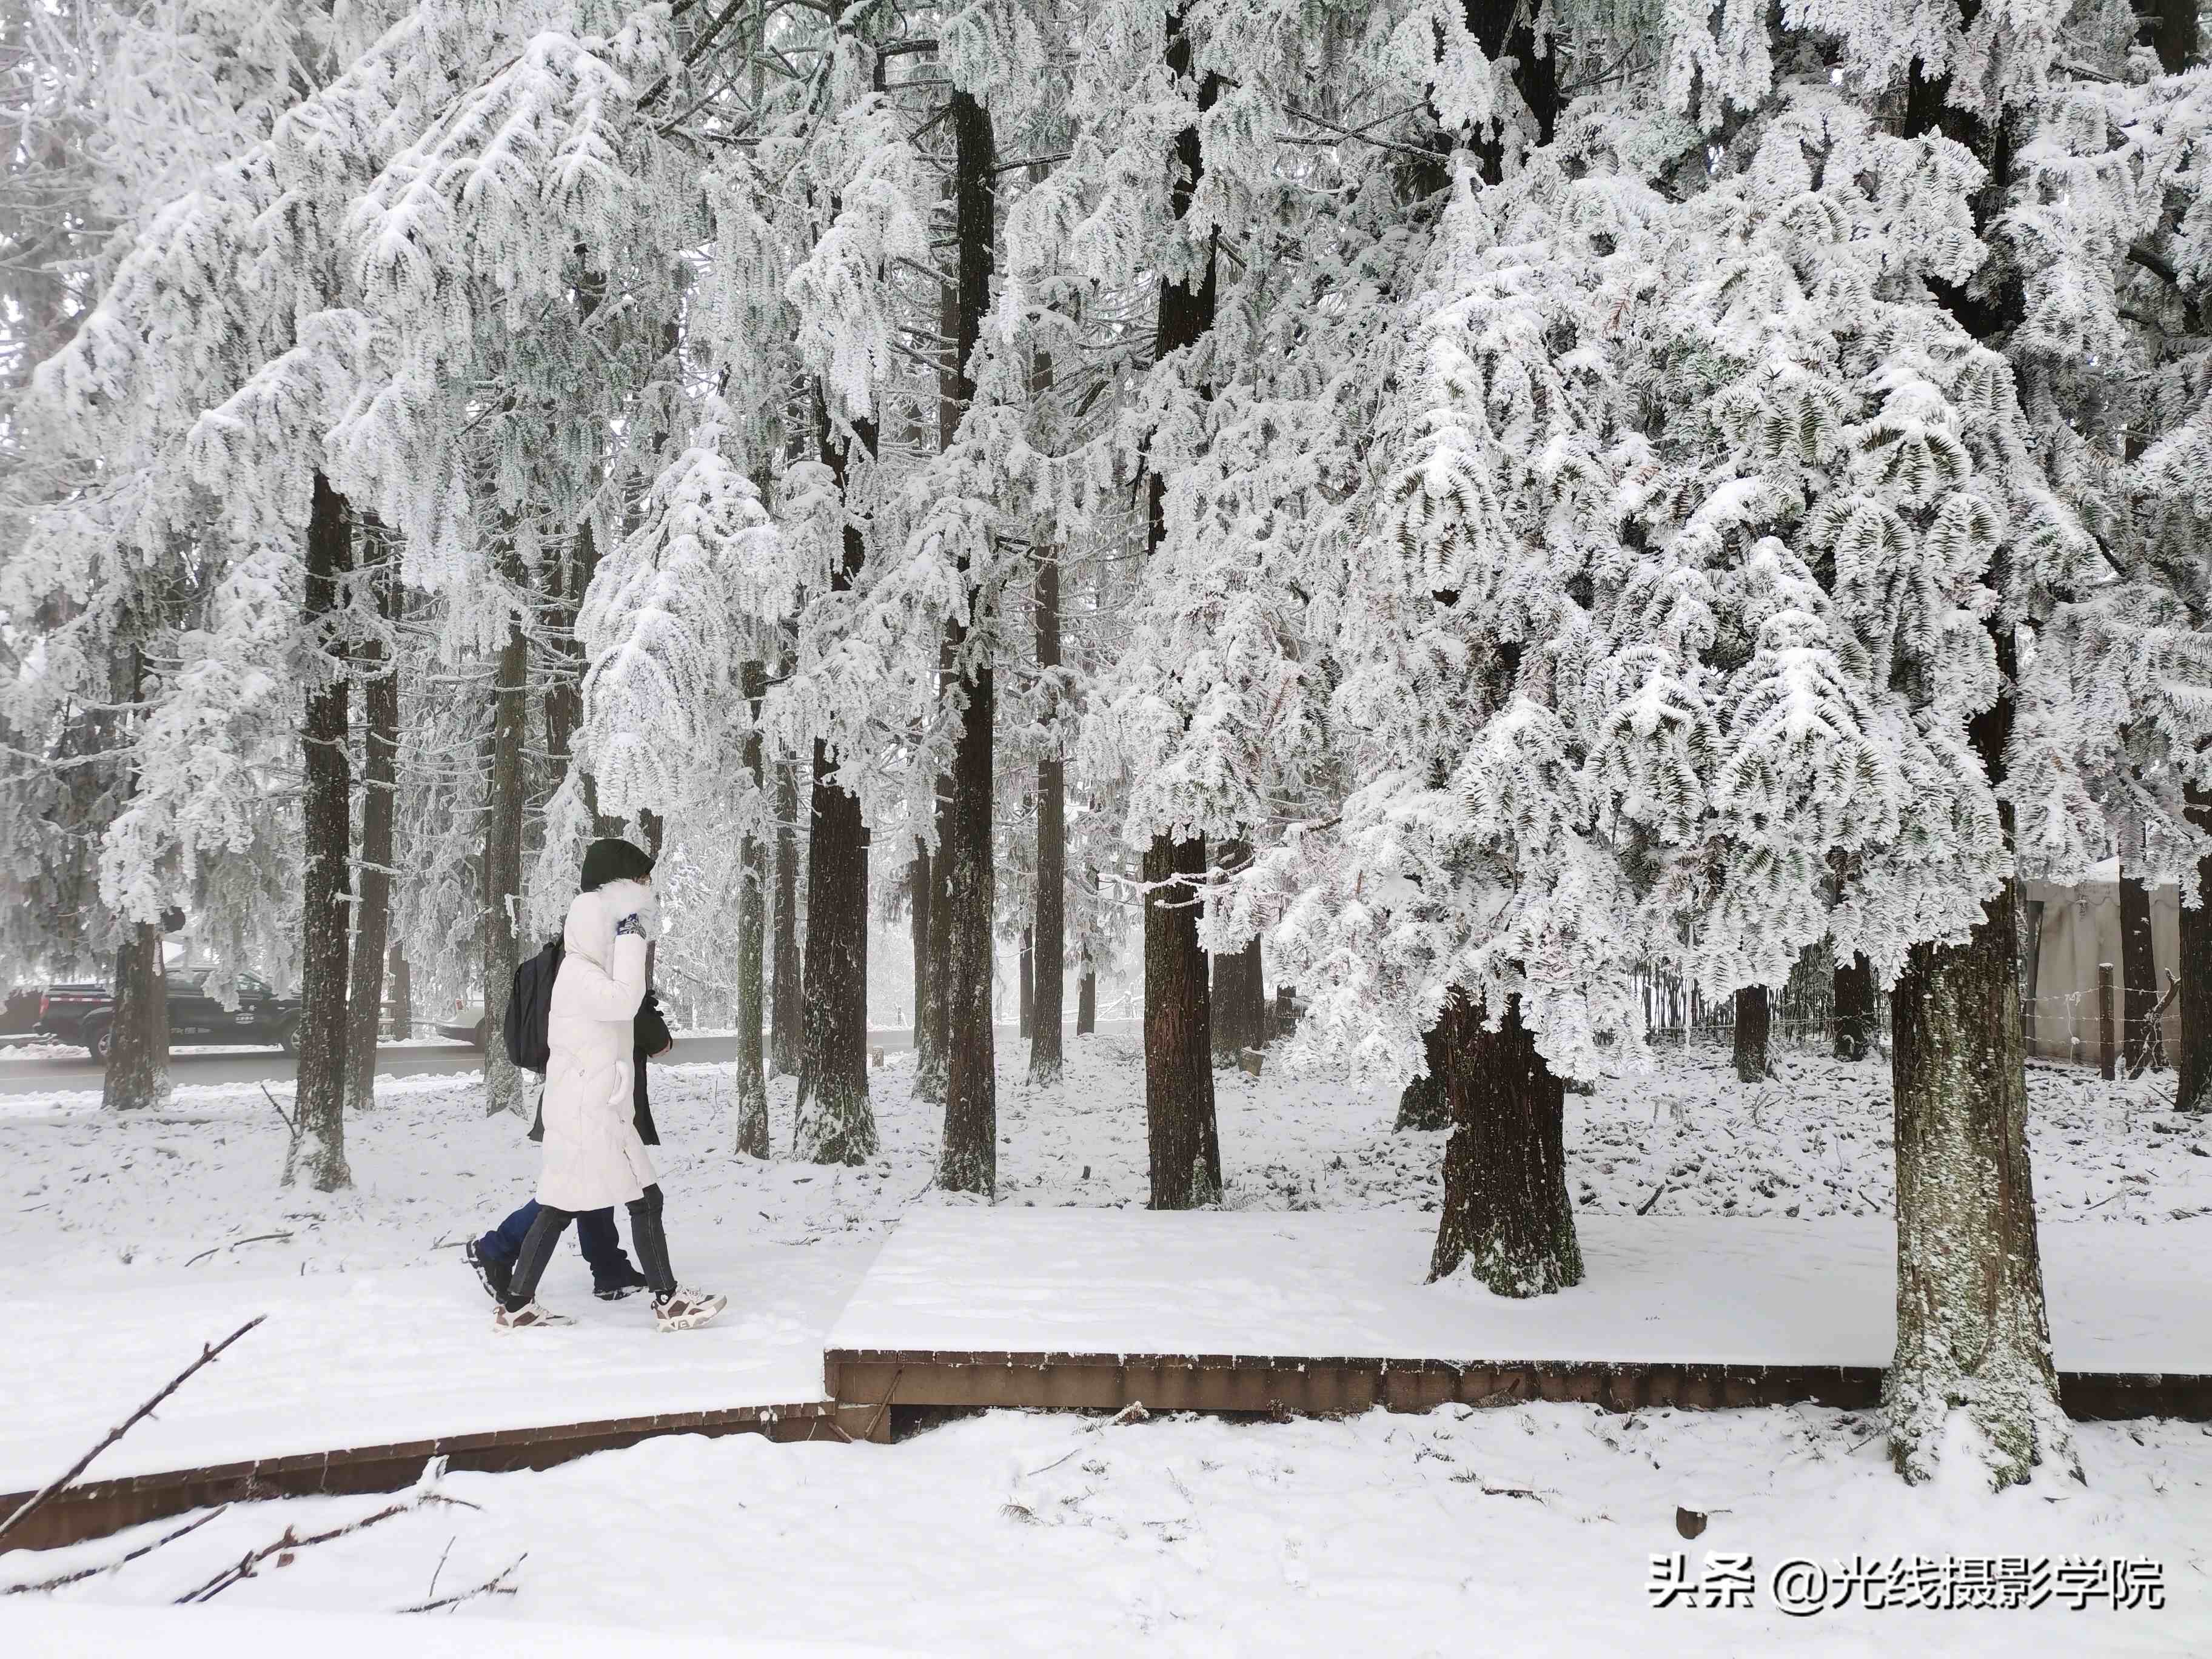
317,1153
786,1036
930,1062
1426,1102
1182,1136
970,1160
1048,922
1025,991
1506,1213
918,885
2195,969
752,909
373,888
2138,964
1754,1015
1086,997
137,1072
834,1122
2170,27
502,854
403,995
1854,996
136,1075
1971,1332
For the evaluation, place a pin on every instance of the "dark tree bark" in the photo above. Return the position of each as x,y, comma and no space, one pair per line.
752,1136
918,885
970,1160
380,785
137,1074
1238,1006
2138,965
786,1037
834,1122
1182,1138
1086,997
1025,990
2170,27
1854,1008
503,852
1972,1332
1048,925
317,1154
1754,1015
1183,1133
2194,1093
930,1057
1426,1102
1506,1215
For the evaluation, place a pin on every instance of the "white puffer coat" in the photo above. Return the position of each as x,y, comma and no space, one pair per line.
594,1157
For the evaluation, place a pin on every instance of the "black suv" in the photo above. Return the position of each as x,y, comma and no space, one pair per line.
85,1014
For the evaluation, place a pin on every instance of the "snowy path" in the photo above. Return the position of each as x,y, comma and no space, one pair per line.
1716,1289
371,1359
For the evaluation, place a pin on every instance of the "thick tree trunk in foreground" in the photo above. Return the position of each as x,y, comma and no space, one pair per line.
1854,1007
785,1038
502,861
1754,1018
379,782
2138,966
2195,969
1182,1133
1971,1332
1049,920
137,1072
1506,1217
1426,1102
969,1161
752,1136
1182,1136
317,1154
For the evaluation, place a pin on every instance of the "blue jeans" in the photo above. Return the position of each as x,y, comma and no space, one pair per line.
595,1233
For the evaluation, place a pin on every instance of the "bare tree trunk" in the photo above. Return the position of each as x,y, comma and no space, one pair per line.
786,1036
1506,1214
137,1074
502,854
834,1122
403,995
2138,960
317,1154
379,784
918,889
1753,1018
1049,924
1182,1133
2170,27
1025,990
931,1062
752,912
1854,993
1086,997
969,1159
2195,969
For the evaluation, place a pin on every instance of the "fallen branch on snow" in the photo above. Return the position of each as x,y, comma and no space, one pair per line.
496,1585
207,1355
291,1543
258,1238
120,1561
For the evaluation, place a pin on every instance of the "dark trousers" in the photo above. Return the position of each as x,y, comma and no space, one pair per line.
595,1235
546,1228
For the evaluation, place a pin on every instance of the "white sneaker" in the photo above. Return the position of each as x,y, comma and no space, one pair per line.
686,1310
530,1318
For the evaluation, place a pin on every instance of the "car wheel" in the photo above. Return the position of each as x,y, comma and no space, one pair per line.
98,1041
288,1036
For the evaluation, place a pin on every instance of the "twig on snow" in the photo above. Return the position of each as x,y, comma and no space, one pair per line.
258,1238
291,1543
290,1127
1644,1208
120,1561
207,1355
1135,1412
441,1567
496,1585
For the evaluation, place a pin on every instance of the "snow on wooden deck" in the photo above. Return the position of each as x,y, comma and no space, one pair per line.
370,1358
1339,1285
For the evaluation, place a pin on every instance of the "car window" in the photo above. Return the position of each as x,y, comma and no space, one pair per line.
251,986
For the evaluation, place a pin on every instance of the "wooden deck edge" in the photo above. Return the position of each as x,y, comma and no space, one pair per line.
1308,1386
99,1508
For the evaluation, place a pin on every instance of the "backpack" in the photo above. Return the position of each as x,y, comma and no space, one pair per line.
530,1007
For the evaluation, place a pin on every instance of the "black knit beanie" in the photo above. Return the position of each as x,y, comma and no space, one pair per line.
614,861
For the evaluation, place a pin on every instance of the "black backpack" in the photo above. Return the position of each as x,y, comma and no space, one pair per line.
530,1007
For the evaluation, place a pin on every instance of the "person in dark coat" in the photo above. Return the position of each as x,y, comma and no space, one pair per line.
614,1275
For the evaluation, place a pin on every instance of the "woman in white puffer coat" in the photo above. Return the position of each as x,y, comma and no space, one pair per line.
594,1157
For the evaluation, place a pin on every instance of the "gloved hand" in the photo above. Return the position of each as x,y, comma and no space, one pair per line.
638,909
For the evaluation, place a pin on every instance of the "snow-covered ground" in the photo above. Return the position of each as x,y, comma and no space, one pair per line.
1193,1537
